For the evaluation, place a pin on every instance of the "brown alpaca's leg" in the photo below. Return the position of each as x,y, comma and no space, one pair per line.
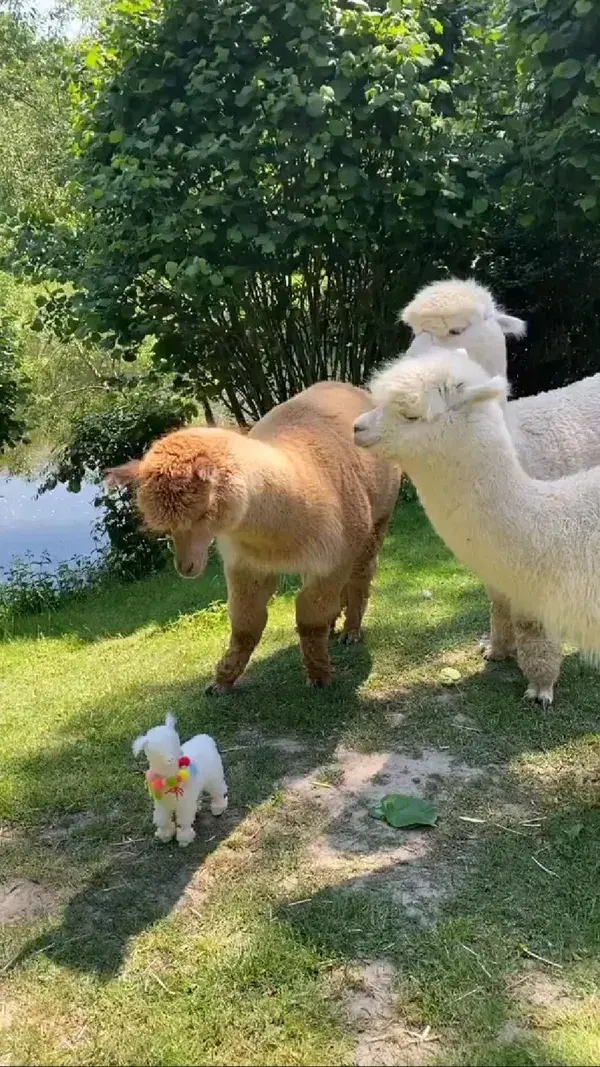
359,586
248,596
539,657
317,603
501,643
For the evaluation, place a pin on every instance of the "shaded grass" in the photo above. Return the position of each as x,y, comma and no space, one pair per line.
156,956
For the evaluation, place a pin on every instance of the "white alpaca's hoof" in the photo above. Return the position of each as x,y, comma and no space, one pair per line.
217,807
164,835
185,836
495,653
543,697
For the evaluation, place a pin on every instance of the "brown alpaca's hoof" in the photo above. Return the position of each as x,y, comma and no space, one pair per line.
217,689
352,637
321,682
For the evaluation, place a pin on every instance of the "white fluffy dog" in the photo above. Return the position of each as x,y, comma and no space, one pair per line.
177,776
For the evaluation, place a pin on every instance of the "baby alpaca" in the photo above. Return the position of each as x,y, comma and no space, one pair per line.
177,776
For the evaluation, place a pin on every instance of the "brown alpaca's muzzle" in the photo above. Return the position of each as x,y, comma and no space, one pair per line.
191,553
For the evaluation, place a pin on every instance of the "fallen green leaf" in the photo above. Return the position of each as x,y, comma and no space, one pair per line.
400,810
449,675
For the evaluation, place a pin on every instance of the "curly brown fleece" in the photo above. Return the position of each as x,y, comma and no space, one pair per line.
294,495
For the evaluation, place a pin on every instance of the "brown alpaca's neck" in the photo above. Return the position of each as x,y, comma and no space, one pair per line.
287,525
267,477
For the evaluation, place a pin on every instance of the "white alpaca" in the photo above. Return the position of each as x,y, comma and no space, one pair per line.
538,542
177,776
555,434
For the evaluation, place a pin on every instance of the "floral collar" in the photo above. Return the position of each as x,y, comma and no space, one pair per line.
160,785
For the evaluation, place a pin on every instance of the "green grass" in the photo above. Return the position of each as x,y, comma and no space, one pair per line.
244,949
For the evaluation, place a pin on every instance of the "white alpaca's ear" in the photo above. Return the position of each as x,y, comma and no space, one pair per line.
510,325
494,389
138,744
171,721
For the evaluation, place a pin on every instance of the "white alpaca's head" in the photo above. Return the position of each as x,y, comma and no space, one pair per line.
418,397
455,313
161,746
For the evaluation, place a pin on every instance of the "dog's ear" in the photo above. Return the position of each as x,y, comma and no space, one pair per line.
510,325
126,474
138,744
171,721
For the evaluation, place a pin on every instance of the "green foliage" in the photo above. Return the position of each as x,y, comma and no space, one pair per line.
557,43
32,587
12,389
253,179
35,127
121,426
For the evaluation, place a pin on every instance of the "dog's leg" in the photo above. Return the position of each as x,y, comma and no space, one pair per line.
248,596
164,820
187,806
317,603
359,586
218,797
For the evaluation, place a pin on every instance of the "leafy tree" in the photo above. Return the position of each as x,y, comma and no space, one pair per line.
35,126
261,184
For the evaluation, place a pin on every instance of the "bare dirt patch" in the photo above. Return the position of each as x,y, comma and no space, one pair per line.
21,898
545,992
382,1038
354,846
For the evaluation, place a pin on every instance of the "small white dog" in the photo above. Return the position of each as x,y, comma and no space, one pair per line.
177,776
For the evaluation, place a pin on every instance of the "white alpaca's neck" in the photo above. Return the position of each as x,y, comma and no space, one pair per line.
477,495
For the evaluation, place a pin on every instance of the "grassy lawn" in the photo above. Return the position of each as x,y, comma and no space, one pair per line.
296,929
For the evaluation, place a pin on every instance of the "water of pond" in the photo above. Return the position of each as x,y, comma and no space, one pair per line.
57,524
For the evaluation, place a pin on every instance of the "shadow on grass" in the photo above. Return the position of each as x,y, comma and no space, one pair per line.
137,882
471,972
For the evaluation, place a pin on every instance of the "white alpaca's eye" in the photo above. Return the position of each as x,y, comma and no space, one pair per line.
411,418
455,332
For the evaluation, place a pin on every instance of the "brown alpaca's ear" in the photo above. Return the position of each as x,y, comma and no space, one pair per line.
126,474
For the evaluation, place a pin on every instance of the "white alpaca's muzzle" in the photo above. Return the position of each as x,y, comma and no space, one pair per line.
367,428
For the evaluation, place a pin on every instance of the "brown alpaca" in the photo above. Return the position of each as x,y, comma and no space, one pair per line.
294,495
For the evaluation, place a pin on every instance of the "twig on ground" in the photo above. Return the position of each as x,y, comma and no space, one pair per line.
478,958
542,868
171,992
543,959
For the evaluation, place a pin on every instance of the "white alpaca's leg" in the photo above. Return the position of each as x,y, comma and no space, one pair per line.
164,820
501,643
539,656
187,806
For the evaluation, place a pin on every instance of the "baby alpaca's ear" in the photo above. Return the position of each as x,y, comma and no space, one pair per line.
171,721
126,474
510,325
494,389
138,744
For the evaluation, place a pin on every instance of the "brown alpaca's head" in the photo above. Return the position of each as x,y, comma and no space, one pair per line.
187,489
